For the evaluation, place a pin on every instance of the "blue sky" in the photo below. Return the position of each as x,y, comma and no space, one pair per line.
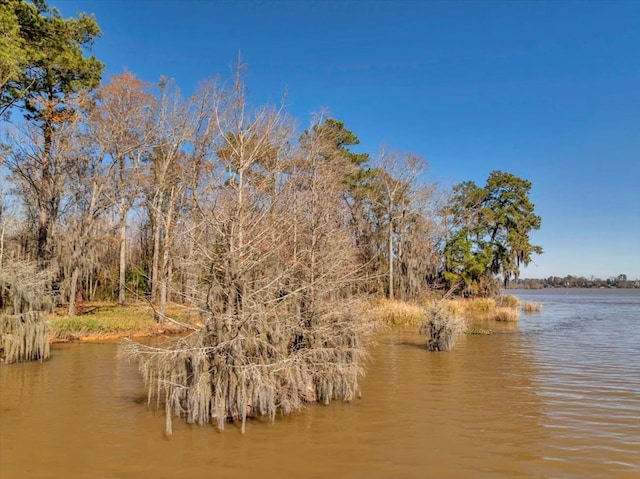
547,90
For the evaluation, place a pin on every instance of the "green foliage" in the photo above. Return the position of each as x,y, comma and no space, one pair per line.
337,140
42,60
491,227
13,54
465,263
340,140
136,280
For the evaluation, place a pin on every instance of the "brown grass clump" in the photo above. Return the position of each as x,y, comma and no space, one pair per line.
531,307
471,309
508,301
479,306
504,313
504,308
397,313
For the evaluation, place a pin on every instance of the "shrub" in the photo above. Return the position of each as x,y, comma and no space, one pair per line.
441,328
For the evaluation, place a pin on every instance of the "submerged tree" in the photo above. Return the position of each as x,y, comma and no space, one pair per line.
24,300
273,257
441,328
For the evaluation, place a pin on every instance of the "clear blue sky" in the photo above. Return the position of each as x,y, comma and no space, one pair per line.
547,90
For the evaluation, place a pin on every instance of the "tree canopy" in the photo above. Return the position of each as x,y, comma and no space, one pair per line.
42,57
491,227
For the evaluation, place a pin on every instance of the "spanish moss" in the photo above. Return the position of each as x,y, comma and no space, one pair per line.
24,300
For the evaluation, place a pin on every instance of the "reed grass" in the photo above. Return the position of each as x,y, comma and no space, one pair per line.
508,301
504,313
406,314
531,307
471,309
480,309
397,313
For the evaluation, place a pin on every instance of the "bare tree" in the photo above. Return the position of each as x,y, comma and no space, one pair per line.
273,256
397,178
122,129
163,188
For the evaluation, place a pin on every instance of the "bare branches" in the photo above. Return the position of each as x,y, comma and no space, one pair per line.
268,271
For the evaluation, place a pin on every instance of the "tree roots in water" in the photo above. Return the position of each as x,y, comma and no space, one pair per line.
237,367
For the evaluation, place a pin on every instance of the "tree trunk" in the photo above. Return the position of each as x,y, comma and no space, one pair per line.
73,289
156,247
123,259
166,256
390,259
45,200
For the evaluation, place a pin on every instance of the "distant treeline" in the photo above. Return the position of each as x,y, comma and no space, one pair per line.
570,281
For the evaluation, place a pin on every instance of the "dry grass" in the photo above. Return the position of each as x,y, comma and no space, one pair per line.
480,309
508,302
397,313
531,307
471,309
440,322
102,320
504,313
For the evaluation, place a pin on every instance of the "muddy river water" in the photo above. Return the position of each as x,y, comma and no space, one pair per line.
557,395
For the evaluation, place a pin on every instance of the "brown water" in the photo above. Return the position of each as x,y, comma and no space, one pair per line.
556,396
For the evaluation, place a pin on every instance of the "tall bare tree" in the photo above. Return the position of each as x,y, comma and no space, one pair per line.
274,253
122,128
397,178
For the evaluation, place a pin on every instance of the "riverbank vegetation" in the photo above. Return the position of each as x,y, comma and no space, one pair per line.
274,237
104,320
24,301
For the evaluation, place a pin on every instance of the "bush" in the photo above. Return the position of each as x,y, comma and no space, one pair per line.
441,328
